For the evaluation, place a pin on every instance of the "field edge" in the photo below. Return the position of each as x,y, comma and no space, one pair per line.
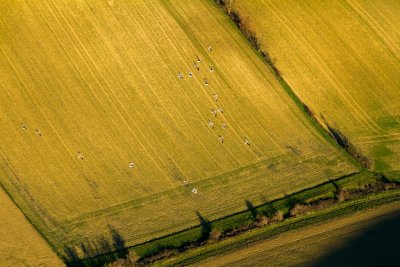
230,245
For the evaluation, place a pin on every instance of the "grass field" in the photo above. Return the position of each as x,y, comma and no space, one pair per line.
91,89
20,244
309,245
342,59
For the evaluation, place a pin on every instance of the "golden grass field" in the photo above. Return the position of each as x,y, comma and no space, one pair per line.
20,243
92,86
307,246
341,58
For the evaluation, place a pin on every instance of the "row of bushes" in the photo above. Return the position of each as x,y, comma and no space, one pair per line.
228,226
300,203
251,36
336,134
240,241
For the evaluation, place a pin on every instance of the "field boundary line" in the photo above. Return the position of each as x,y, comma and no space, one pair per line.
152,196
35,227
252,236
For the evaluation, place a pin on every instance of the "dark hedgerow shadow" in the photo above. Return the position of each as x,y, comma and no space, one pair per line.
71,257
377,245
97,253
345,143
206,227
119,244
251,209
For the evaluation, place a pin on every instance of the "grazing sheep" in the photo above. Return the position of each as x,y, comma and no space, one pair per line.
211,69
221,139
214,112
38,132
190,74
80,156
205,81
215,96
224,126
246,142
180,75
23,126
210,49
131,165
211,124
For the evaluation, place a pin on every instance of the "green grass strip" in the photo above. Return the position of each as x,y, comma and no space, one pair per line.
192,235
242,240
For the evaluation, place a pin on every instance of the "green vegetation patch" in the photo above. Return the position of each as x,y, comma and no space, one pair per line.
231,244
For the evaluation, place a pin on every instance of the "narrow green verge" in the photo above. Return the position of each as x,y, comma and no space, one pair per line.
318,197
234,243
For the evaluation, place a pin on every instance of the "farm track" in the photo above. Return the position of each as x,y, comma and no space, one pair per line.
311,244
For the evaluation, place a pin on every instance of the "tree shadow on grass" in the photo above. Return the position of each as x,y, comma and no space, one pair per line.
377,245
206,227
119,244
251,209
